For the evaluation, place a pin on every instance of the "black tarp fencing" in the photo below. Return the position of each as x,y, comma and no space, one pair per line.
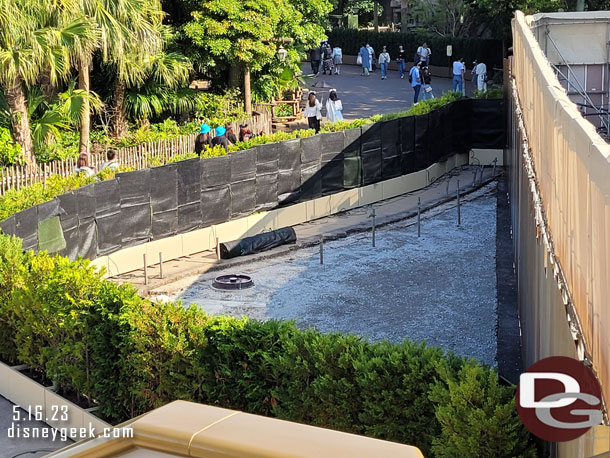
151,204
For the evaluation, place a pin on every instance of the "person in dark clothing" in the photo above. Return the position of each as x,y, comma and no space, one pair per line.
327,58
244,133
203,140
220,138
230,134
316,57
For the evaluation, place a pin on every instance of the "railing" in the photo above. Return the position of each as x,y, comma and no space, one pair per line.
138,157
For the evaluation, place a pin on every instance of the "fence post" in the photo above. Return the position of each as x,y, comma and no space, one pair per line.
459,216
160,265
321,249
419,216
145,270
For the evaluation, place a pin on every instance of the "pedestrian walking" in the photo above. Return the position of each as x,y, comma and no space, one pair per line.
481,72
316,57
230,134
337,59
334,107
220,139
364,60
313,112
401,61
384,61
327,58
428,55
458,75
415,79
426,77
371,57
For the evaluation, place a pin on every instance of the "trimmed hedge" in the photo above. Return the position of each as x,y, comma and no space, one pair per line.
483,50
130,355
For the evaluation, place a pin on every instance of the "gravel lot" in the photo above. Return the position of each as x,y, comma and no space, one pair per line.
440,288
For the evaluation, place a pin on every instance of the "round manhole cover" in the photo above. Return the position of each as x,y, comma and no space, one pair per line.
232,282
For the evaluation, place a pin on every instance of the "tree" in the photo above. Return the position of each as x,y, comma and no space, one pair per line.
248,33
139,68
122,26
36,37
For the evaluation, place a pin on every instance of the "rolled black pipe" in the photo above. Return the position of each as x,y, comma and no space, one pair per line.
257,243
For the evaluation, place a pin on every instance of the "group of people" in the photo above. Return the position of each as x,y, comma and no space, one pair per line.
479,75
82,164
313,109
368,60
223,136
330,58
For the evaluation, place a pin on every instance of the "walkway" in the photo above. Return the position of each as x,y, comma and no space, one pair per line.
365,96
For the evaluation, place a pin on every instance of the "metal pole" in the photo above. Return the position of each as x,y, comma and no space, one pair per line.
217,249
474,178
373,216
458,204
419,216
145,270
447,187
481,179
494,170
160,265
321,249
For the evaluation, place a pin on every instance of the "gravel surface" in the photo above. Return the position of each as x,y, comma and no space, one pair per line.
440,288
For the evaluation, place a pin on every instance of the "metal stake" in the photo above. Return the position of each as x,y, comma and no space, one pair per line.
447,188
145,270
321,249
160,265
458,204
419,216
494,171
217,249
373,216
481,179
474,178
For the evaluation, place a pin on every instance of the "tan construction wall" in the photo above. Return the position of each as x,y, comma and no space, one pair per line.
561,181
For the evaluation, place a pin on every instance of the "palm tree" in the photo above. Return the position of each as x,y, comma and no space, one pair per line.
123,25
36,36
168,69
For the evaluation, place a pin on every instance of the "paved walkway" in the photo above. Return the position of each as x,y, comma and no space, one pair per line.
365,96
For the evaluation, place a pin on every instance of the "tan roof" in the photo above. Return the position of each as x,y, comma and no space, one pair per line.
187,429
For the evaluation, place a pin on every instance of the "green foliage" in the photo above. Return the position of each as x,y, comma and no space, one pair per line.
131,355
10,152
477,416
497,93
483,50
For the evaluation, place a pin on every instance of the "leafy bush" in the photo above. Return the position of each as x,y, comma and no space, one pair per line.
10,152
483,50
131,355
496,93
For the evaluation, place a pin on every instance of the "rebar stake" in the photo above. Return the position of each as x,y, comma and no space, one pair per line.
419,216
459,216
160,265
217,249
145,270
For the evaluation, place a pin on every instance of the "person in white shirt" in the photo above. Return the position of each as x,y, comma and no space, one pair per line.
424,53
337,59
313,112
112,163
384,61
371,56
82,166
334,107
458,75
481,71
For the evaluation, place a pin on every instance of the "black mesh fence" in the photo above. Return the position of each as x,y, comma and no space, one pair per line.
151,204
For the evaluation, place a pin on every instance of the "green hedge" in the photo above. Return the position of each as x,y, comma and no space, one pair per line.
102,340
483,50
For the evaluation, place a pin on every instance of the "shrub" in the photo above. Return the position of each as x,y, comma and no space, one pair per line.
497,93
483,50
10,152
131,355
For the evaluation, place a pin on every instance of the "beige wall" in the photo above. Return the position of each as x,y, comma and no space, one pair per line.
562,218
